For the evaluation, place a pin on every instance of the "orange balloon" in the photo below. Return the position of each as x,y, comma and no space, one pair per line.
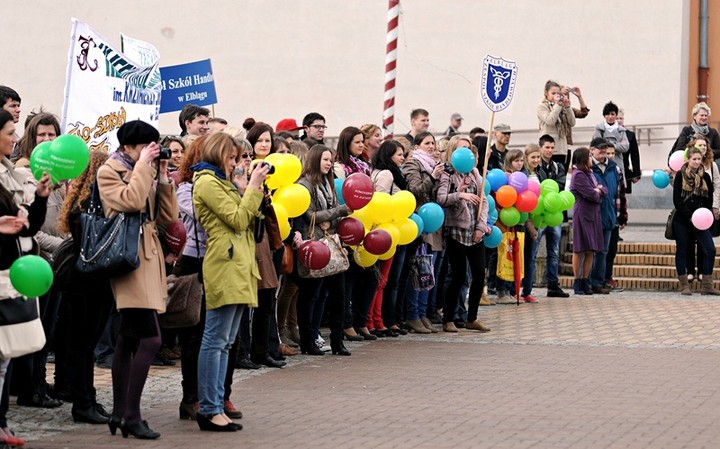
505,196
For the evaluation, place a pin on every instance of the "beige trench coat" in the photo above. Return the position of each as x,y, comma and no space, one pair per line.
122,190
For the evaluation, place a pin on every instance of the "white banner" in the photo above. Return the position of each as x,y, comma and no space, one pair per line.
105,87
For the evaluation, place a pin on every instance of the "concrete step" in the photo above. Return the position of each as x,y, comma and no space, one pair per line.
638,271
641,259
656,284
646,248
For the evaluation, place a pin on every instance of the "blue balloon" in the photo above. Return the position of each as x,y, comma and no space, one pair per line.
488,188
338,190
491,203
497,178
493,216
419,222
660,179
493,239
432,216
463,160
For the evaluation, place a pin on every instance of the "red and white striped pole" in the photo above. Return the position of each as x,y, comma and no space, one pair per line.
390,67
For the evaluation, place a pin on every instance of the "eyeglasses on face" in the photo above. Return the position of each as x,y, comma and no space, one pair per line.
318,127
246,155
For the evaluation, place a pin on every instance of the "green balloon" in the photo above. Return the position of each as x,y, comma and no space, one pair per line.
510,216
549,186
40,161
69,156
31,276
540,209
538,220
568,199
553,218
523,217
553,202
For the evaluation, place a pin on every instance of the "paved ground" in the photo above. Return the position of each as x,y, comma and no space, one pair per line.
633,370
628,370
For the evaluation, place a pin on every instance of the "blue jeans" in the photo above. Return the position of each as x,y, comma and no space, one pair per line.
684,234
417,301
221,328
552,243
597,274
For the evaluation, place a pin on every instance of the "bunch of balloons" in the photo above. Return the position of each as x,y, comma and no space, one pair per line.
519,198
290,200
63,158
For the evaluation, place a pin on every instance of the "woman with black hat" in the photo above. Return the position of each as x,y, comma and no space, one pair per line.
127,184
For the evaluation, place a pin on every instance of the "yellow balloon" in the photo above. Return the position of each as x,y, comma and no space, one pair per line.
295,198
381,207
403,205
393,231
389,254
364,258
408,231
364,216
284,229
287,170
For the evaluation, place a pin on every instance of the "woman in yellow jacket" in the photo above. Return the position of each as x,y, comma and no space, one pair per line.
230,271
126,183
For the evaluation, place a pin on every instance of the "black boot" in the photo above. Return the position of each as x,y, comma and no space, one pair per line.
578,286
337,346
307,344
587,289
554,291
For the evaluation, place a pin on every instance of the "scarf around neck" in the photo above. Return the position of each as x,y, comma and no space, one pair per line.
425,159
207,166
124,159
704,130
692,181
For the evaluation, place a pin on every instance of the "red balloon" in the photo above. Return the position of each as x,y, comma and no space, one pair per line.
175,236
526,201
357,190
351,231
377,242
506,196
314,254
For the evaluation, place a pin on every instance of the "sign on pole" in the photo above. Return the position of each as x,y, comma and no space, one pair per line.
191,83
498,83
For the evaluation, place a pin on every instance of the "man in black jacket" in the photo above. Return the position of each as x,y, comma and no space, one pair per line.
631,159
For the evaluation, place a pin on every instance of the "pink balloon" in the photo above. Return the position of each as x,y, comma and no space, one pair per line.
534,187
702,218
677,159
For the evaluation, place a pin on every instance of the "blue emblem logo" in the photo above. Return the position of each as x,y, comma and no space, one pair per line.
498,83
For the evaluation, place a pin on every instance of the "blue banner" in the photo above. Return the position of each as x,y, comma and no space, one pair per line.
191,83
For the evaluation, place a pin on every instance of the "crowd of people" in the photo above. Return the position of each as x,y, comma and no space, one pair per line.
257,311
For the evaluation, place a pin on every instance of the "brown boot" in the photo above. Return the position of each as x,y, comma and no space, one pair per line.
477,325
707,286
428,324
417,327
485,301
684,285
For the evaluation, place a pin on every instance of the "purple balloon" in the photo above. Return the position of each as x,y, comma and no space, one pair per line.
519,181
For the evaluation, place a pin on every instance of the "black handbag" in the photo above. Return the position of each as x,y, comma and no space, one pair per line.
669,231
110,246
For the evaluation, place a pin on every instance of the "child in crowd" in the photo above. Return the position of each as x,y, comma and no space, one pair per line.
533,172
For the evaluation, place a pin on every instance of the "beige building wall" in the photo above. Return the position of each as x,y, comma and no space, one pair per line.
284,58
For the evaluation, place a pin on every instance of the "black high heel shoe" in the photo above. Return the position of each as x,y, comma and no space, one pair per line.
205,423
338,348
139,430
355,337
113,423
366,335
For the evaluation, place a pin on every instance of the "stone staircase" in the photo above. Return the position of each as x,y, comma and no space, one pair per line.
638,266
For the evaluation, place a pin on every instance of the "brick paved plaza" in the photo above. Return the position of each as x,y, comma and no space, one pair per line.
633,369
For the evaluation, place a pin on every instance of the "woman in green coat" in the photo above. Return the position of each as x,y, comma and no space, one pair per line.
230,271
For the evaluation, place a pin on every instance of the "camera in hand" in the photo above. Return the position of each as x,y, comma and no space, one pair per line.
165,153
271,170
448,168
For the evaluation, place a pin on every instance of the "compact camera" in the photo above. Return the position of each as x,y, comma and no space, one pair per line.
165,153
449,169
271,170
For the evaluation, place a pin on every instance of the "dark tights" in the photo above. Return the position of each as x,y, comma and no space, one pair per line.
130,367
